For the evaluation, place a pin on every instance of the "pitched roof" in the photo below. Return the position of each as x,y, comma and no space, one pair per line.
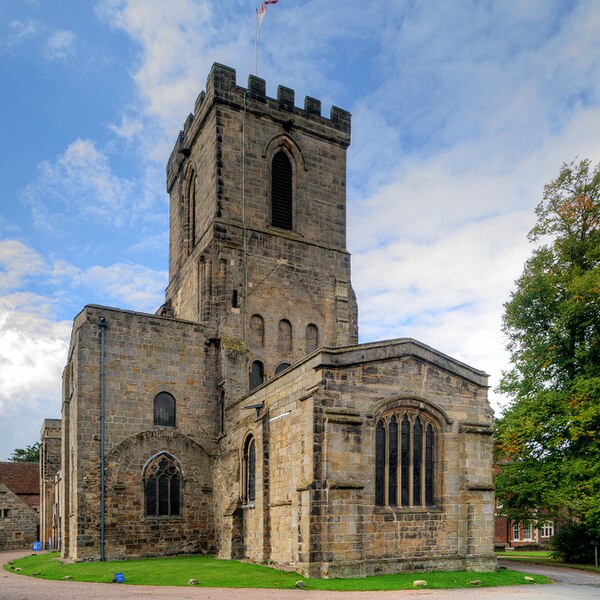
21,478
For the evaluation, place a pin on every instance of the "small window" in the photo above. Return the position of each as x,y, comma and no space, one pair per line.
4,512
257,331
527,532
18,535
257,374
164,410
516,532
281,191
547,530
312,338
281,367
222,413
162,486
284,339
249,483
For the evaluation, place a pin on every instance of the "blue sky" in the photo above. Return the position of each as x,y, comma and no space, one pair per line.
461,111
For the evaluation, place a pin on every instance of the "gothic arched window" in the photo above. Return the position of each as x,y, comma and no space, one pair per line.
257,331
281,191
249,472
257,374
164,410
162,487
284,336
404,461
312,338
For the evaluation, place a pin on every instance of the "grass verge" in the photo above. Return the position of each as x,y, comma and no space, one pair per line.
542,557
211,572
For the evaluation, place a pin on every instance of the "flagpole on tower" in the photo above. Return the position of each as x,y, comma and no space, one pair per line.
260,15
256,37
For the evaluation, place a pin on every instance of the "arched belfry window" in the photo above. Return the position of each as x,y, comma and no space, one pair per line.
249,471
405,459
281,191
162,487
164,410
257,374
190,210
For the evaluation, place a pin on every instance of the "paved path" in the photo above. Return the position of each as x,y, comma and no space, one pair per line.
569,586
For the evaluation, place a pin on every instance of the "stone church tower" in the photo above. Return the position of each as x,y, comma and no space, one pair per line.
244,419
258,227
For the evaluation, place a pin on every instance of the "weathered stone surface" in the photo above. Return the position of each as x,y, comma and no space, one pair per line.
18,521
241,290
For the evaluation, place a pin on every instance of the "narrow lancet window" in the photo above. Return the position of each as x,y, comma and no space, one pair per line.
281,191
257,374
380,464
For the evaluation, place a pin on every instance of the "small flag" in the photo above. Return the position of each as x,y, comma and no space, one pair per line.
260,13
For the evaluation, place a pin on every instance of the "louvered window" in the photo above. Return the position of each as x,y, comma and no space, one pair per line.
164,410
281,191
404,461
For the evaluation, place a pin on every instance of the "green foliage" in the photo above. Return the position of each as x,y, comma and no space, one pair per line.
230,573
28,454
573,544
548,439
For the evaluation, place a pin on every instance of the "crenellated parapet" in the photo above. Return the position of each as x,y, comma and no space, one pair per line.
222,88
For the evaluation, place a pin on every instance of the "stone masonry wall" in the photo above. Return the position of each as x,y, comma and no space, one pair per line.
457,531
302,275
18,521
315,506
144,355
50,455
276,527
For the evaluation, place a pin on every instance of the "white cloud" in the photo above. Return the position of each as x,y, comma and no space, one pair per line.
60,45
33,353
33,338
17,263
134,286
80,185
20,31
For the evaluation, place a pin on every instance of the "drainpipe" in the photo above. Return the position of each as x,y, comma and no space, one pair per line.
102,323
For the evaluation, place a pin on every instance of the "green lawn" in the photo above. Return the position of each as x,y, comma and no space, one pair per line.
230,573
541,557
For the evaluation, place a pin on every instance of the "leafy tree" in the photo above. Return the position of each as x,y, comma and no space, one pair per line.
28,454
548,439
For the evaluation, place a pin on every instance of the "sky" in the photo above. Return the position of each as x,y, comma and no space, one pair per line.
461,112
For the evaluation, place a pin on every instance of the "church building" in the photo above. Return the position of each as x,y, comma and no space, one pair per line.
243,419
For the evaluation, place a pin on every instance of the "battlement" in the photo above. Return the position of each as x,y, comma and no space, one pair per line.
221,87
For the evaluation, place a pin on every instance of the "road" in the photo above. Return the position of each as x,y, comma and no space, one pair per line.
570,585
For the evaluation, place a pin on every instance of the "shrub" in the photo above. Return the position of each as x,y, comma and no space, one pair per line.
572,544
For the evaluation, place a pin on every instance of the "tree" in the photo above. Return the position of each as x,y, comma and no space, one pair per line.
548,439
28,454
